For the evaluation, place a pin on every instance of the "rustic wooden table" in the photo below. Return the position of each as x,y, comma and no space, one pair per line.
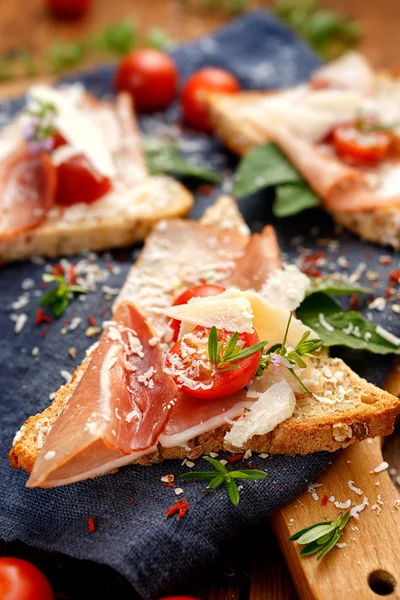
252,568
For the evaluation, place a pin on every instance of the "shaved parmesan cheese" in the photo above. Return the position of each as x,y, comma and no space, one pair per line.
286,287
77,127
234,310
274,406
223,311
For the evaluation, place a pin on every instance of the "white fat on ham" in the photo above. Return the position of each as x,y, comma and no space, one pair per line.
286,287
256,314
76,125
275,405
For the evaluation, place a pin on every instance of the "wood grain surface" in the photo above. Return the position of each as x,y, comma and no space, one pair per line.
252,568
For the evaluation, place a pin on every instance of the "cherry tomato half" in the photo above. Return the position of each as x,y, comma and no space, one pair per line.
360,147
193,292
77,182
21,580
194,94
68,9
196,366
150,76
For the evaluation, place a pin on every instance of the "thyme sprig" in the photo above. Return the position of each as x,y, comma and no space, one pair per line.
39,129
59,297
222,475
220,355
321,537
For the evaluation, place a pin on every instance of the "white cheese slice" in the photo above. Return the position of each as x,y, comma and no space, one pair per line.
274,406
76,126
286,287
234,310
223,311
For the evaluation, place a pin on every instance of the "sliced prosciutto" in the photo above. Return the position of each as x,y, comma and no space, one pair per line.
118,408
260,259
27,187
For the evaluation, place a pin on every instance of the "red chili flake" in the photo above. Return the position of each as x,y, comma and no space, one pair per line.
72,274
314,272
58,270
44,284
103,310
169,484
109,267
44,331
205,190
131,501
311,259
250,466
66,321
282,489
41,317
181,507
324,500
353,302
91,524
394,276
91,320
235,457
389,291
385,260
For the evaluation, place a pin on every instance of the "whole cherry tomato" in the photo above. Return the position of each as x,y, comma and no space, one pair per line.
150,76
194,365
21,580
361,145
193,292
68,9
196,89
77,182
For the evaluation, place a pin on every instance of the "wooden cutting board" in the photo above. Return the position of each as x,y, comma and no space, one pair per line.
369,565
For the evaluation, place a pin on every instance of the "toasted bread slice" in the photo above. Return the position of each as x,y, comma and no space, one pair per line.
122,217
352,408
381,225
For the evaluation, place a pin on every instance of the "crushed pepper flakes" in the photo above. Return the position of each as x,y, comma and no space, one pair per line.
91,525
41,317
180,508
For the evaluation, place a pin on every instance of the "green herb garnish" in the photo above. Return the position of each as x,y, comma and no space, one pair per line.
339,328
222,475
163,157
59,297
320,537
267,166
221,355
159,39
332,287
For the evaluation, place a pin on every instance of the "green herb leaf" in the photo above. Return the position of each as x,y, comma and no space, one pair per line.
246,352
215,463
60,296
311,548
213,345
349,328
263,167
336,288
65,56
331,544
118,38
216,482
293,198
159,39
298,534
320,537
315,533
163,157
249,474
233,491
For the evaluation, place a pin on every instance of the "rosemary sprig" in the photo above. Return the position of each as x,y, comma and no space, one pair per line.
321,537
222,475
220,355
59,297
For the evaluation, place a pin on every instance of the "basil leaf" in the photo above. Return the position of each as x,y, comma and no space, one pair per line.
349,328
233,491
163,157
293,198
263,167
60,305
336,288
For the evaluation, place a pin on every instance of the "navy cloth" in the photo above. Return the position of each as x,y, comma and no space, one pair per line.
153,552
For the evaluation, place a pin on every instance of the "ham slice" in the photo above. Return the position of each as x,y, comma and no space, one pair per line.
260,259
117,410
27,187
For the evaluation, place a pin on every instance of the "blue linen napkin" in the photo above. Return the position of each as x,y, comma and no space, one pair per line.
136,539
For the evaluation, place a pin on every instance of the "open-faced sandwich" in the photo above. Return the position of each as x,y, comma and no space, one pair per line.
73,177
203,353
340,131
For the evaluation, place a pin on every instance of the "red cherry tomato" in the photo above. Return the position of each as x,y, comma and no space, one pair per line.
197,367
77,182
193,292
20,580
196,89
360,146
68,9
150,76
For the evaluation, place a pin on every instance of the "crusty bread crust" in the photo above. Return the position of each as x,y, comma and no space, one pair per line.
381,226
57,237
